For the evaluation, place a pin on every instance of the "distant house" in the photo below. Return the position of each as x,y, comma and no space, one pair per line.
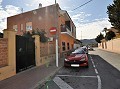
77,44
43,19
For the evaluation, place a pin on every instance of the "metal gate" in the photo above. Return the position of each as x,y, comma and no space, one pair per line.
25,53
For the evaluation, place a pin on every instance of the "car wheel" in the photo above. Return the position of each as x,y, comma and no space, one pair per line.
87,66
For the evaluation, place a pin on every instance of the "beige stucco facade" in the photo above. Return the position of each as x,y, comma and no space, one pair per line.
112,45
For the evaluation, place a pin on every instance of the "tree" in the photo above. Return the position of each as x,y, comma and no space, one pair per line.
42,33
114,14
110,35
104,30
99,38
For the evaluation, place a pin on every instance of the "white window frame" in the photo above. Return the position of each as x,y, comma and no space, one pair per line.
15,27
28,26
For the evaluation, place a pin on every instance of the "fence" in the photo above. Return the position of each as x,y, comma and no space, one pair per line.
3,52
8,53
112,45
7,58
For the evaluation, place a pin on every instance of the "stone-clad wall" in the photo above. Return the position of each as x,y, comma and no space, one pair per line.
3,52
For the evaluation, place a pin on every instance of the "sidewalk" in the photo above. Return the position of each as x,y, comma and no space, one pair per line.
110,57
30,78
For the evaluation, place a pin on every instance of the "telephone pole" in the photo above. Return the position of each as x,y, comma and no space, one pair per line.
81,35
55,1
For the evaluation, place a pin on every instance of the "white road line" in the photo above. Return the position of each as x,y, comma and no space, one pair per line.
99,82
96,71
76,76
61,83
94,66
93,63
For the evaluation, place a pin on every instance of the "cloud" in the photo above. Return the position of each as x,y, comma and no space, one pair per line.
9,10
65,7
35,3
81,16
0,1
2,24
28,5
92,29
69,11
12,10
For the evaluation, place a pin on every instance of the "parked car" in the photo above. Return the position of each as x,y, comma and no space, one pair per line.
90,48
85,48
76,59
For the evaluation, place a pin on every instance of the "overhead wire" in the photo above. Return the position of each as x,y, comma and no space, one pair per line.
82,5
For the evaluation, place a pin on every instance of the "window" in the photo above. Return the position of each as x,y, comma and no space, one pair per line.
21,27
28,26
67,23
15,27
63,46
68,46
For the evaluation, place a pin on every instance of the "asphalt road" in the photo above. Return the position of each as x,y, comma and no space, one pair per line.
99,75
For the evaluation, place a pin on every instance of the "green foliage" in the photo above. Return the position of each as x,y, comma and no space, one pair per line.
27,34
114,14
43,38
110,35
99,38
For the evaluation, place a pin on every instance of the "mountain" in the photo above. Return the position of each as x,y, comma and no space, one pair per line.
88,41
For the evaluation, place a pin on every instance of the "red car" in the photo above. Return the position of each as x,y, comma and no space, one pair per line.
76,59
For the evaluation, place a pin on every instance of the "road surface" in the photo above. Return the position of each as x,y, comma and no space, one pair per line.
99,75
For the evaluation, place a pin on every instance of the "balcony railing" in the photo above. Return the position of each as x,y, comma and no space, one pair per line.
66,29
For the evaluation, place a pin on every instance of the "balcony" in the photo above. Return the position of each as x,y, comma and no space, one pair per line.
66,30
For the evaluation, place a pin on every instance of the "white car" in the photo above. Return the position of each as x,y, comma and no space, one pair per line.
85,49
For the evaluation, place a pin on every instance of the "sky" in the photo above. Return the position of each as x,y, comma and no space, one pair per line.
89,19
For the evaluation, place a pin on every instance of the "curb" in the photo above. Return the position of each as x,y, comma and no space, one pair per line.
37,86
109,51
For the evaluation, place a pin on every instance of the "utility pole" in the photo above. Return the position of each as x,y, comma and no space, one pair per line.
81,35
55,1
56,34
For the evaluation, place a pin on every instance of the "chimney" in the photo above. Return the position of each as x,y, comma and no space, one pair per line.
40,5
